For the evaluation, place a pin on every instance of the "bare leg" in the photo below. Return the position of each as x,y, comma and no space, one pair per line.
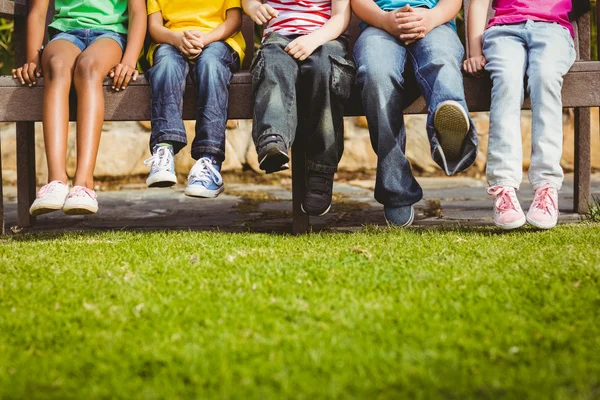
58,63
92,66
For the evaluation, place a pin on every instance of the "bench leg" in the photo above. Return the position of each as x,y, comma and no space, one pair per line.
301,222
1,195
25,172
583,159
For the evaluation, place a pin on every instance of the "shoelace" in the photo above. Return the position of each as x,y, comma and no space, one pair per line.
81,191
203,171
544,199
504,200
49,188
161,159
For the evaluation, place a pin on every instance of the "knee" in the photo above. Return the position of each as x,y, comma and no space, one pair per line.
211,66
56,67
376,77
88,69
545,79
167,70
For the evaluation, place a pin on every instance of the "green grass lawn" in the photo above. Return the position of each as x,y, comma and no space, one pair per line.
423,313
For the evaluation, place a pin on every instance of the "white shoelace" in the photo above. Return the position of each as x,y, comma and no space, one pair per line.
203,171
161,159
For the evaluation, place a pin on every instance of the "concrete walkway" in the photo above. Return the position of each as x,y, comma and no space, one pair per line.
267,207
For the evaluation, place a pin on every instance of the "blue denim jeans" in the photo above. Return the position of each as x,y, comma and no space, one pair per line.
381,60
541,52
303,96
83,38
211,74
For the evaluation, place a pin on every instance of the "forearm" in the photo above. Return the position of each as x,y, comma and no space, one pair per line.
248,4
231,25
336,26
445,11
36,23
158,32
477,19
369,12
136,32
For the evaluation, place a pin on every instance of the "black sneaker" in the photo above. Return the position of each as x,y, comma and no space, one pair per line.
317,201
273,154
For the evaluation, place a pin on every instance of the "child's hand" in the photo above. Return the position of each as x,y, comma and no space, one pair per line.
410,28
261,13
474,65
28,73
302,47
185,47
122,74
405,24
194,43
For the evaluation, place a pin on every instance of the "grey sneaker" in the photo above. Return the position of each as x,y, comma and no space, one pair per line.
402,216
162,166
273,154
452,124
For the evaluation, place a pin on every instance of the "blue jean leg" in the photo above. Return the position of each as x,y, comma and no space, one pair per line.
436,60
167,82
380,60
212,75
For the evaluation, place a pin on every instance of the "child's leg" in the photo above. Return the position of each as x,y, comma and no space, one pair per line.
321,107
506,54
551,54
274,76
437,61
91,68
380,60
212,75
167,81
58,62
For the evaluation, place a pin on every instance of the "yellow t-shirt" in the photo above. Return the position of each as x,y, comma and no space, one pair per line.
205,16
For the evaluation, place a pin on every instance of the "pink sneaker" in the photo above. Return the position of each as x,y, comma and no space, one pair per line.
51,197
80,201
543,213
507,210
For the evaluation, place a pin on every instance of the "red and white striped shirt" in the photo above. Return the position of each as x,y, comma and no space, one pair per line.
298,17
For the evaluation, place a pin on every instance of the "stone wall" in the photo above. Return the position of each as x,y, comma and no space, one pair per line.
124,146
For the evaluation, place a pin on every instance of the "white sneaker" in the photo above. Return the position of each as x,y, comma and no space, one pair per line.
51,197
162,166
80,201
543,213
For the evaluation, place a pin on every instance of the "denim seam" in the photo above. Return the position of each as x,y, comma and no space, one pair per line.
505,182
417,73
537,185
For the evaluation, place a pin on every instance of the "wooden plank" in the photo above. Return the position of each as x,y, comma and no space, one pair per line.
581,89
25,172
9,8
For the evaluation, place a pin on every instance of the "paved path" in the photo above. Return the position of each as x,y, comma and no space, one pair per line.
267,207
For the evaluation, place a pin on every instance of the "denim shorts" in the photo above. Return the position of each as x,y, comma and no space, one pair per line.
83,38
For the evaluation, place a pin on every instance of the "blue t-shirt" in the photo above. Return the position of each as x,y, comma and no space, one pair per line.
390,5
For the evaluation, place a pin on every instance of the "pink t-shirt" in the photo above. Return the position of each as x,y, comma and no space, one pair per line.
517,11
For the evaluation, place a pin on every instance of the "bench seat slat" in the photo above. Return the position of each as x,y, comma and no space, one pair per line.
581,89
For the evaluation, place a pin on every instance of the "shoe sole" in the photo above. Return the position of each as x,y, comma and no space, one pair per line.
541,225
274,161
513,225
161,180
452,124
318,215
41,210
203,193
80,210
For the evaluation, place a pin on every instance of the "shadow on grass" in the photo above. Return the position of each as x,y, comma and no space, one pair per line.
369,229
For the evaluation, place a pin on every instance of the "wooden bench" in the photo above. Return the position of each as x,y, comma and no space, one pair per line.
23,105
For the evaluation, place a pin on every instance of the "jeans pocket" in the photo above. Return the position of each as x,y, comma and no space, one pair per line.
257,69
342,76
